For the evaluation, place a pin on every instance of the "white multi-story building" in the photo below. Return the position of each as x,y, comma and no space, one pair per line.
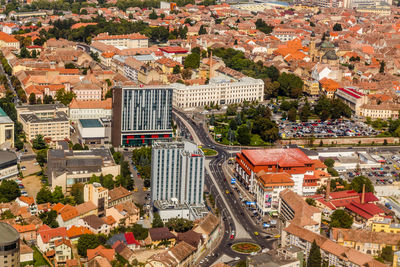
177,172
133,40
90,109
218,91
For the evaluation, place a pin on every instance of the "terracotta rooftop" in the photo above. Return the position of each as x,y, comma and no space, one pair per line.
107,253
117,193
365,236
290,157
274,178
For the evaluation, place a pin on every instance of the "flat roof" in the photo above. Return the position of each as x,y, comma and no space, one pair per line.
90,123
8,233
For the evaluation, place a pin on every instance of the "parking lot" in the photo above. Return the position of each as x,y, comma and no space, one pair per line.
318,129
386,174
29,167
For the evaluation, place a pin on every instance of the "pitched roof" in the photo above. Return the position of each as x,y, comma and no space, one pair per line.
104,104
161,233
130,239
275,178
107,253
182,250
62,241
27,200
289,157
302,211
48,233
7,38
24,228
117,193
85,207
344,253
366,210
68,212
76,231
366,236
208,223
93,221
190,237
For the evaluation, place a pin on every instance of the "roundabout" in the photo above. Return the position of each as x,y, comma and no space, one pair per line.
245,248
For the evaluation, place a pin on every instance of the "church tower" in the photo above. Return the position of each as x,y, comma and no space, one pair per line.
312,50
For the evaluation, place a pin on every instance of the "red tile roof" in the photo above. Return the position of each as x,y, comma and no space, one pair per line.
174,49
366,210
283,157
101,251
7,38
130,239
48,234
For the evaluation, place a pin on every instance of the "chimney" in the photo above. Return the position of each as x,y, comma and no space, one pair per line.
363,194
210,75
328,190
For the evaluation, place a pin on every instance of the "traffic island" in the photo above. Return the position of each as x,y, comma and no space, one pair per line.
246,248
208,152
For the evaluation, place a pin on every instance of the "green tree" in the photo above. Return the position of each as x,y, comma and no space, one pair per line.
176,69
77,192
179,225
264,27
292,114
157,222
244,136
153,15
310,201
382,66
341,219
77,146
32,99
41,157
202,30
139,231
9,191
337,27
24,53
329,162
305,112
49,218
192,61
87,241
38,142
70,65
314,257
57,195
233,124
44,196
387,253
358,182
108,182
65,97
286,105
290,85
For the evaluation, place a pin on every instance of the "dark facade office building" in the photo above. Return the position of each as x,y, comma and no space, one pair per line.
141,115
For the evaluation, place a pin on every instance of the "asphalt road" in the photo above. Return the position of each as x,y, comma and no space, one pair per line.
234,215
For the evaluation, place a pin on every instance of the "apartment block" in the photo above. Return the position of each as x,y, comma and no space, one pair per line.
50,120
177,172
134,40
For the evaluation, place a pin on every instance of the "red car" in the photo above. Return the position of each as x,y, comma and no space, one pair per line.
232,237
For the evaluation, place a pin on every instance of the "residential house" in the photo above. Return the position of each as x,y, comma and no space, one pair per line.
208,228
63,251
7,40
119,195
161,236
26,232
74,232
47,236
126,211
108,253
95,224
331,252
25,253
365,241
128,239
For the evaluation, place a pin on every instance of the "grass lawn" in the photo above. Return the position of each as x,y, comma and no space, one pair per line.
209,152
256,140
38,258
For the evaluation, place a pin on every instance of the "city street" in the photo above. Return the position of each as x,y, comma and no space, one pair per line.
235,216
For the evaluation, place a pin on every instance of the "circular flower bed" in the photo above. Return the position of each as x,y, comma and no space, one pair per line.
245,247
